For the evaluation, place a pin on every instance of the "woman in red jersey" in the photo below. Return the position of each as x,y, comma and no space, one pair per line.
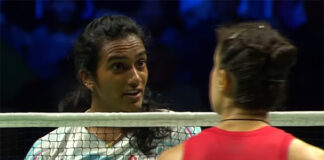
251,64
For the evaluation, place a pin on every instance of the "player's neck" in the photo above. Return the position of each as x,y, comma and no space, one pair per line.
237,119
110,135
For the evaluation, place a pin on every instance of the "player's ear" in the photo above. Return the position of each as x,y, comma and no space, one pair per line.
86,79
224,81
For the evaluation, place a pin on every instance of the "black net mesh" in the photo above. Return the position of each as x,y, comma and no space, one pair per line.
82,143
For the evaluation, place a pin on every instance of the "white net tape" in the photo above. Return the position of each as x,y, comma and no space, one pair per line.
148,119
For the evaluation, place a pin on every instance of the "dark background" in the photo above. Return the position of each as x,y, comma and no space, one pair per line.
37,37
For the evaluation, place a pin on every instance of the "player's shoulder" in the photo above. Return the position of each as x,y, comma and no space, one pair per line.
299,150
59,132
188,130
175,153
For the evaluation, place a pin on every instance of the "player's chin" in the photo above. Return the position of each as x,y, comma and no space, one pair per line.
134,107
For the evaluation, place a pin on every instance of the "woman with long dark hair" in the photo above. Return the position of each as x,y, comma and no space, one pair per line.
110,58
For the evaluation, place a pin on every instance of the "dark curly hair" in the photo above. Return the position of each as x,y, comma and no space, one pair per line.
86,55
259,60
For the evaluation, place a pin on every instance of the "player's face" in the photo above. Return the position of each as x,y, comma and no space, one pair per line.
121,75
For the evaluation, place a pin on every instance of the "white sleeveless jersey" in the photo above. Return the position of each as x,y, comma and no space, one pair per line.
77,143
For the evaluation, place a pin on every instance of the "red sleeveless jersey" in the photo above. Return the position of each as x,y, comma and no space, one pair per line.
267,143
